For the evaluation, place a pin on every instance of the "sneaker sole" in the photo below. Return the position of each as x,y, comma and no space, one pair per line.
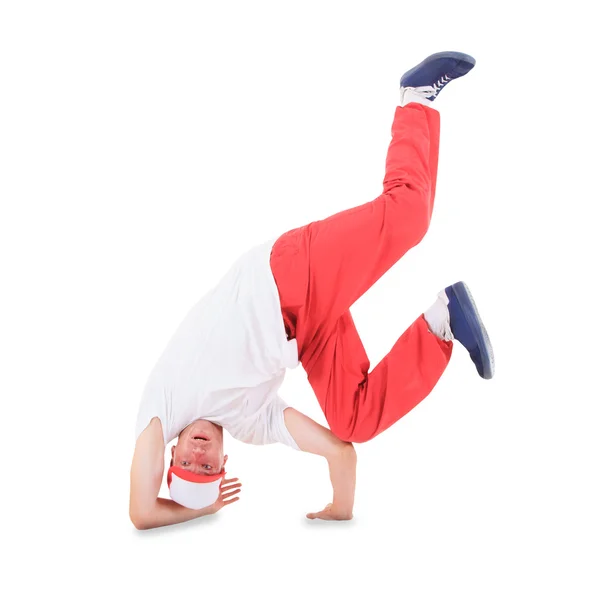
455,55
475,322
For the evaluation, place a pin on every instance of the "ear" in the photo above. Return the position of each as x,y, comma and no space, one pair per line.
225,460
172,454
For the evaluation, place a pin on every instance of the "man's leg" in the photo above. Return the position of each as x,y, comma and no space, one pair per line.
359,405
336,260
347,253
321,269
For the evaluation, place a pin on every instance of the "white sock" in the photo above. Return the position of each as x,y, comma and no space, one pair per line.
410,94
438,317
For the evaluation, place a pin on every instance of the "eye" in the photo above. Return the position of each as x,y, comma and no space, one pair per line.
207,467
185,463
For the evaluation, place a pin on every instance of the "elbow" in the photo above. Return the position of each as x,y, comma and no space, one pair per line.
139,520
349,450
343,451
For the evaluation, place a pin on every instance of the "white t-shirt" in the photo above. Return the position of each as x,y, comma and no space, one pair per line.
227,360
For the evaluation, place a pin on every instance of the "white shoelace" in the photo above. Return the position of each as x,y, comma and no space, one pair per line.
428,91
437,87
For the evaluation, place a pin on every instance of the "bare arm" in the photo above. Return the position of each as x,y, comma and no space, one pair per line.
147,510
342,462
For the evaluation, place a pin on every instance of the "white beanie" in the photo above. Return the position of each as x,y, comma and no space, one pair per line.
191,490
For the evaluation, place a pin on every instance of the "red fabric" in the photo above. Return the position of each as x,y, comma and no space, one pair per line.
322,268
193,477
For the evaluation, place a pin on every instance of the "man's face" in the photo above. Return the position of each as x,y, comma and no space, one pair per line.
199,449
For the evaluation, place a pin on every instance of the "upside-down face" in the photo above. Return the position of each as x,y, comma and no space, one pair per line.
199,448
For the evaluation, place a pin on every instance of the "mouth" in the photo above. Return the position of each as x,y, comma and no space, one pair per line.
200,438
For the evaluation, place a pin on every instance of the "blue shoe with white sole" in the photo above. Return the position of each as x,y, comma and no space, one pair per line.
468,329
429,77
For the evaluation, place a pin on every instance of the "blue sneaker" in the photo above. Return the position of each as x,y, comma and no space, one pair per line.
429,77
468,329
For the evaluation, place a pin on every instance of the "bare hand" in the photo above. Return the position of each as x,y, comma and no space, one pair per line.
330,513
227,489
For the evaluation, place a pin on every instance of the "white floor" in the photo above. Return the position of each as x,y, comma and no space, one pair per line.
144,148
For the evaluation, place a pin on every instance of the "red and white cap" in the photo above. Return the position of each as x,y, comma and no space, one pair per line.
191,490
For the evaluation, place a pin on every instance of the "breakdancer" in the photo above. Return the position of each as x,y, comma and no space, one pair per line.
287,302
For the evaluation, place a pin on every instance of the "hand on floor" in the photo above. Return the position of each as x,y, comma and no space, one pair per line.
330,513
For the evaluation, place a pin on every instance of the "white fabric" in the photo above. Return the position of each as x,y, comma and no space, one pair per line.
227,360
420,95
438,317
193,495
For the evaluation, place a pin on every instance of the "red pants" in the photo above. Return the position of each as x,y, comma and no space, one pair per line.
322,268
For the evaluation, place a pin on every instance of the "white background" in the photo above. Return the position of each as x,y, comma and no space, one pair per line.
145,145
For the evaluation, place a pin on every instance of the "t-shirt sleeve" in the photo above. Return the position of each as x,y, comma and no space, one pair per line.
268,426
153,404
277,424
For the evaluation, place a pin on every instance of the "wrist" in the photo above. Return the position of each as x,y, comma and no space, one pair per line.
209,510
342,511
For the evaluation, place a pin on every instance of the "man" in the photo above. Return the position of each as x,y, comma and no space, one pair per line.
287,301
